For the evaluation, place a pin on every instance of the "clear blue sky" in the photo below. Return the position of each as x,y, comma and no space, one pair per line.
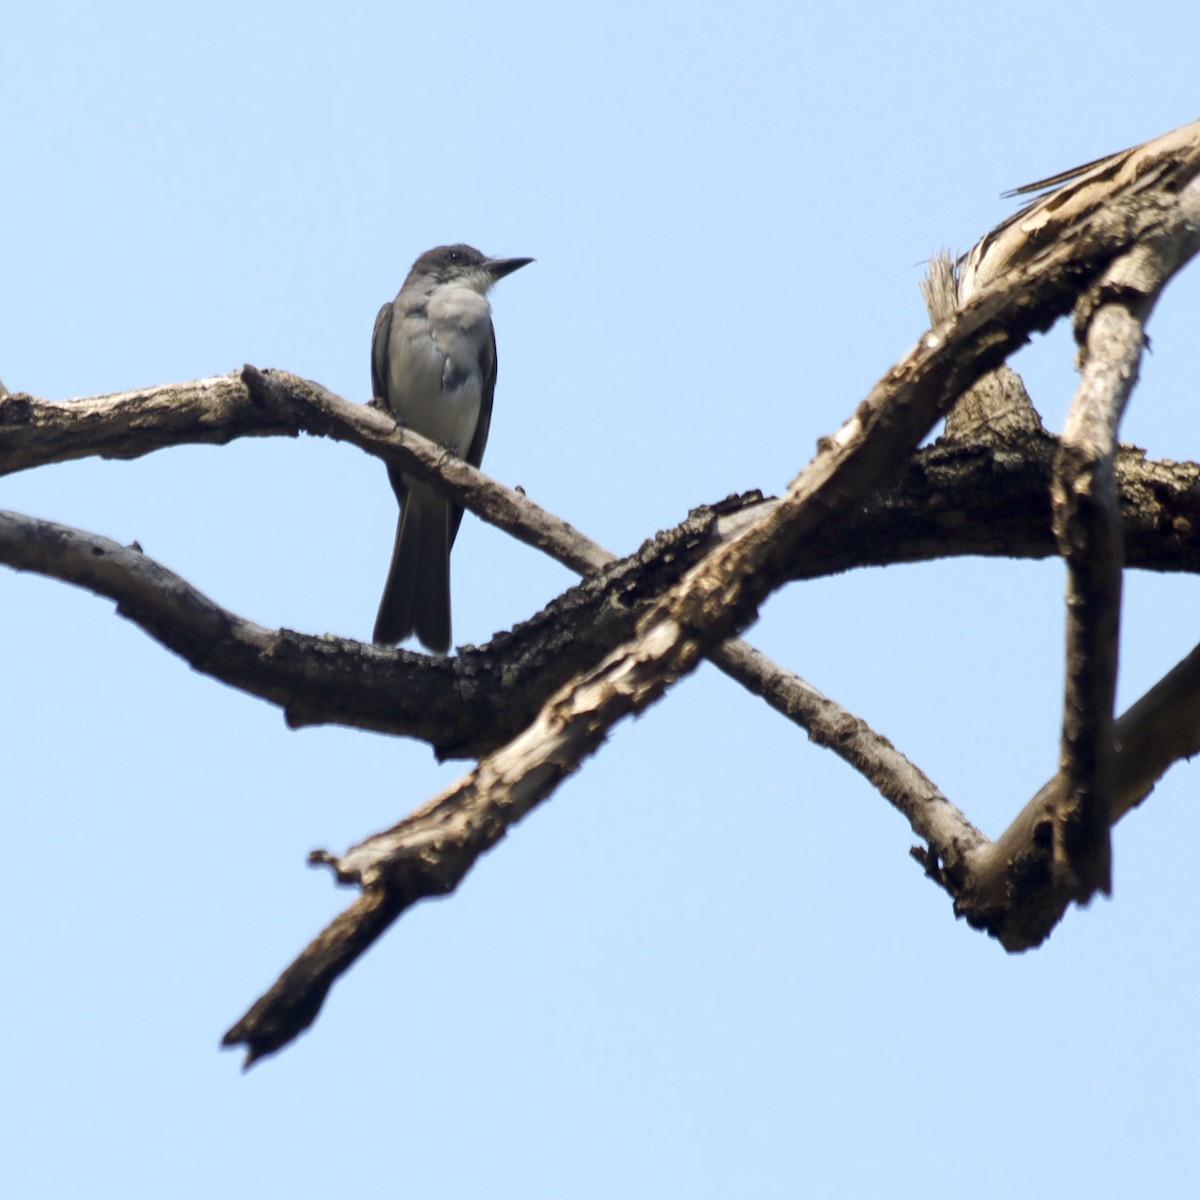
708,967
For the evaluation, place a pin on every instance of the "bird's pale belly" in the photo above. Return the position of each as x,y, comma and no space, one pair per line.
450,420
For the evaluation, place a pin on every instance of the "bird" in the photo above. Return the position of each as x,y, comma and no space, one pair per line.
433,365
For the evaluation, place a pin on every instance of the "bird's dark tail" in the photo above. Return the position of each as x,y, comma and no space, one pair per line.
416,597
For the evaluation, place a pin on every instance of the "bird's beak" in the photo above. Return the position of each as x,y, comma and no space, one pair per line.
497,268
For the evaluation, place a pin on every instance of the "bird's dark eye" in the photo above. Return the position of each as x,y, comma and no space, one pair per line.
455,256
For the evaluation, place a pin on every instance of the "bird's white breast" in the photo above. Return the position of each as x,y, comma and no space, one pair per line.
436,377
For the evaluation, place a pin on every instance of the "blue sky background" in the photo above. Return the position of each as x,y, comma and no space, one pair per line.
708,967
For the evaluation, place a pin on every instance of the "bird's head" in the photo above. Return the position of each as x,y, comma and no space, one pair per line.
464,265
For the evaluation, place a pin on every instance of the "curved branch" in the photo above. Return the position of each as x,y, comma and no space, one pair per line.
261,404
461,706
930,814
1010,887
319,412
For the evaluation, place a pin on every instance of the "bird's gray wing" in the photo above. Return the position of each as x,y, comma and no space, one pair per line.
380,350
487,369
379,353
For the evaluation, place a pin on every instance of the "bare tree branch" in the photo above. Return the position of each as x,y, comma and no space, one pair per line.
1121,215
1159,730
898,412
479,699
1087,524
320,412
36,433
1108,205
938,506
1110,325
1058,848
261,404
1010,887
292,1005
947,502
909,789
432,850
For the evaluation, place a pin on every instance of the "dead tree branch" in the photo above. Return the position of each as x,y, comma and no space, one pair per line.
1105,244
1087,524
1010,887
1058,849
431,851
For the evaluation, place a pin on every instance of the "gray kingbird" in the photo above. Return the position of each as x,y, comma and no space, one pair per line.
433,364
